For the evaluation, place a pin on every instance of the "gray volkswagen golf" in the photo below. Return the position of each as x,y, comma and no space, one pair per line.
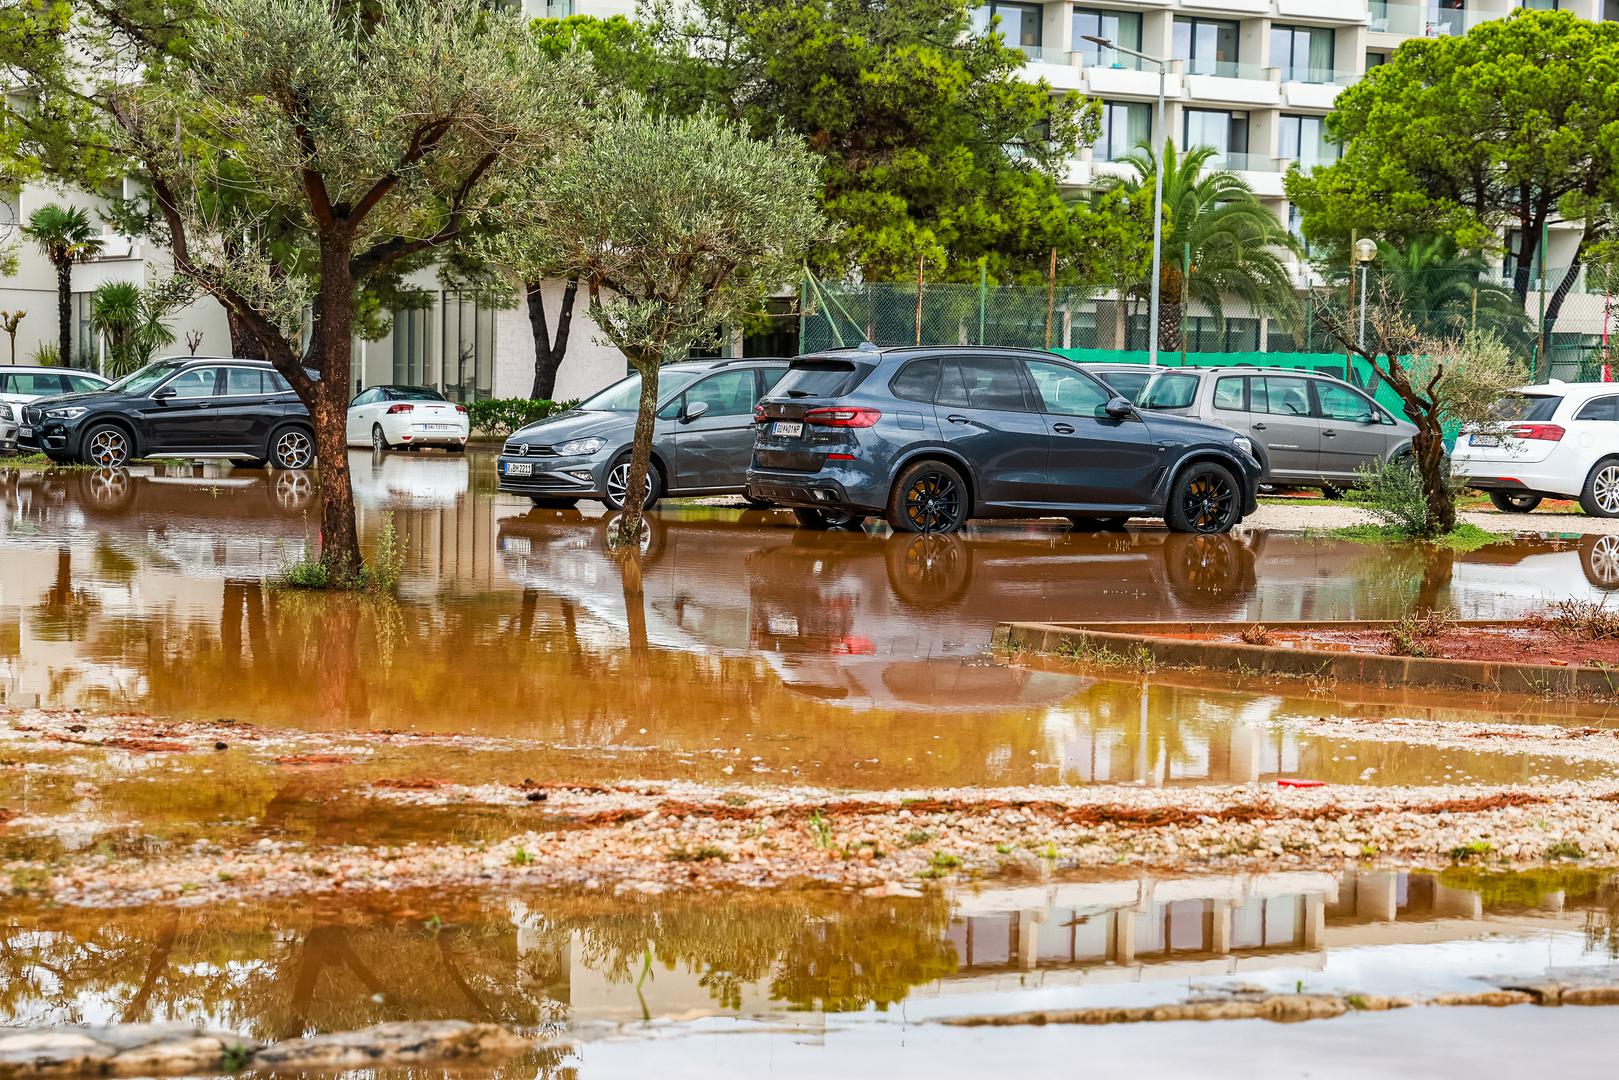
701,445
930,437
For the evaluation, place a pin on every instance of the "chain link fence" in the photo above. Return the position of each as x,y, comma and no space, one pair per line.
1096,324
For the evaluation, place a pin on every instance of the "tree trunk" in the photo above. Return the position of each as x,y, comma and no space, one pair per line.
1428,445
64,312
548,353
243,344
1171,327
629,526
328,410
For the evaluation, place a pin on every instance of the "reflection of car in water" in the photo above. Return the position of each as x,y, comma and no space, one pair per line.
416,482
898,621
1542,566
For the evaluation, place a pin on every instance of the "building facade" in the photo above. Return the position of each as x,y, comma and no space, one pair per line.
1253,78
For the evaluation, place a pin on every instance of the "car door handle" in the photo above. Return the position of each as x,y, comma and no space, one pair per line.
1063,429
957,418
1259,427
1329,434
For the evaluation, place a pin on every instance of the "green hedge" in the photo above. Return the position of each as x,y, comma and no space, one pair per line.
499,417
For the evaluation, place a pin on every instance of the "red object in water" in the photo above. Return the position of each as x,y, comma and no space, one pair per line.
1557,663
1301,783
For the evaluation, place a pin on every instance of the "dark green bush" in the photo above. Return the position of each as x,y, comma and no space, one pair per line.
499,417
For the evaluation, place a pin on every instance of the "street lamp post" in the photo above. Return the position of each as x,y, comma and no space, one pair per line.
1157,191
1365,252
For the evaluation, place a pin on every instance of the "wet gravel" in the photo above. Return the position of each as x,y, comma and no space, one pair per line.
1311,516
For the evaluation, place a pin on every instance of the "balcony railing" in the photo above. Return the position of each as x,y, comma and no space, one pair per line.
1318,76
1243,162
1423,20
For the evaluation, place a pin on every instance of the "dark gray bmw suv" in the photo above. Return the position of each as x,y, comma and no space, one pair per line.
930,437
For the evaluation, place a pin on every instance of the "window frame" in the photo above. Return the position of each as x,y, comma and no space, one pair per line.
217,369
1106,392
1241,381
937,364
1612,399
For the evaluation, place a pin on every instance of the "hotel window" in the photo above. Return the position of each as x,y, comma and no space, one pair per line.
1540,5
413,347
1304,53
1447,18
1207,46
1227,132
1376,59
469,347
1119,27
1304,139
86,346
1125,125
1020,23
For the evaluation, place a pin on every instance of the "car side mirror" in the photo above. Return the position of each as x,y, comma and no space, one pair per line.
1369,418
1119,408
695,410
165,393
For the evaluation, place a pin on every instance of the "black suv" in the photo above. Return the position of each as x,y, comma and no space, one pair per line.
184,407
929,437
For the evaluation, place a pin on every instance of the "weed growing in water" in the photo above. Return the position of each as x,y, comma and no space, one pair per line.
820,829
1563,849
1414,633
1583,620
521,857
378,575
236,1057
1258,635
1475,849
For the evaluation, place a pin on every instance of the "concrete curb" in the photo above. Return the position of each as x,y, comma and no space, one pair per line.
1151,641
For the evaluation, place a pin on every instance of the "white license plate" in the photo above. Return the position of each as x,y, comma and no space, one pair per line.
1483,440
792,429
25,433
438,427
519,468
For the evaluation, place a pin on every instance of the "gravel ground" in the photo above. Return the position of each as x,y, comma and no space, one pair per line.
1336,517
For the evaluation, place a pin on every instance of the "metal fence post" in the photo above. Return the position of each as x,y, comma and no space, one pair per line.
983,297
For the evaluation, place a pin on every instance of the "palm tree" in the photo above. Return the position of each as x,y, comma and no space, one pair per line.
1237,245
1445,291
131,320
65,236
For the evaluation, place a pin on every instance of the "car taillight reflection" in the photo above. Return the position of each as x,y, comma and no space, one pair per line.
759,414
845,417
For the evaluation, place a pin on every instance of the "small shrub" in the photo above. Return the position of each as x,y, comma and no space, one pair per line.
1392,493
308,572
1473,850
45,354
820,829
1416,629
521,857
1564,849
499,417
1583,620
917,836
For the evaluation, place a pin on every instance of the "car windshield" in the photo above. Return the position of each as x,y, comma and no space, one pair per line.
625,395
1170,390
816,379
139,382
413,393
1527,408
1126,384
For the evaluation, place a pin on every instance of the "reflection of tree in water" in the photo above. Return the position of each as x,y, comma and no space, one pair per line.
64,613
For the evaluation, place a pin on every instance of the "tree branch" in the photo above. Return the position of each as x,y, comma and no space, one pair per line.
422,142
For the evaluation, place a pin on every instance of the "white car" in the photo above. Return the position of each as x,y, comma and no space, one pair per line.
20,385
404,417
1555,441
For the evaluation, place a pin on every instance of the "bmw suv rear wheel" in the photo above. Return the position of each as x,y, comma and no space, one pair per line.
929,497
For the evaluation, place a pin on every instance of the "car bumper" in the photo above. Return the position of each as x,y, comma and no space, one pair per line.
1504,476
427,435
561,478
831,488
49,438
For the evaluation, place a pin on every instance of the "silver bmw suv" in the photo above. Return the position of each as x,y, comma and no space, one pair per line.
1309,429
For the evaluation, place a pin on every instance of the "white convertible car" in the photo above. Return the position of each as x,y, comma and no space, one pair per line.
404,417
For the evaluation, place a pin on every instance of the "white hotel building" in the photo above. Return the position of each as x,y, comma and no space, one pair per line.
1254,78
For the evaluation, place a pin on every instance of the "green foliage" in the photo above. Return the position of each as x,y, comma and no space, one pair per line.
378,575
1473,849
45,354
1393,493
499,417
63,234
1563,849
1458,136
1237,244
1412,632
1462,538
130,320
820,829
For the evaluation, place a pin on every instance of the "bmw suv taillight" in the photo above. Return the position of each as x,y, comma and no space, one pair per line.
1544,432
843,417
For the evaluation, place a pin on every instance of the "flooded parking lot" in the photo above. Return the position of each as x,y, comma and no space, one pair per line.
755,661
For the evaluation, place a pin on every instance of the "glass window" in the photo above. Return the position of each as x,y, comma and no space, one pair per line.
817,379
768,378
1376,59
79,384
412,347
86,347
730,393
278,385
1127,384
1304,139
35,384
1602,408
1540,5
1119,27
1062,389
196,383
139,382
1342,403
366,397
1527,408
625,395
1446,18
983,382
916,381
1231,394
469,347
1279,395
1125,126
1020,23
242,382
412,393
1169,390
1227,132
1304,53
1208,46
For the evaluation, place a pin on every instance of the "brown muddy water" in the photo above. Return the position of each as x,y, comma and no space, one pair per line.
758,652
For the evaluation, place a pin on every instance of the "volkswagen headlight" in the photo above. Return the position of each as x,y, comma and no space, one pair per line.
1245,444
581,447
72,412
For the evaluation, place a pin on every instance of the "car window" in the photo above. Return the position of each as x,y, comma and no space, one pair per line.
1341,403
1169,390
917,381
82,384
983,382
35,384
1231,394
196,383
1127,384
1279,395
278,384
1063,390
818,378
1531,408
411,393
1602,408
730,393
243,382
365,397
769,377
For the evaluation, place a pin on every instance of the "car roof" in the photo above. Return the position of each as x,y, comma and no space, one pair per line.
5,368
1570,389
718,362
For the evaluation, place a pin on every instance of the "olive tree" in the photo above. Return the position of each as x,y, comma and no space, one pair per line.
673,226
356,138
